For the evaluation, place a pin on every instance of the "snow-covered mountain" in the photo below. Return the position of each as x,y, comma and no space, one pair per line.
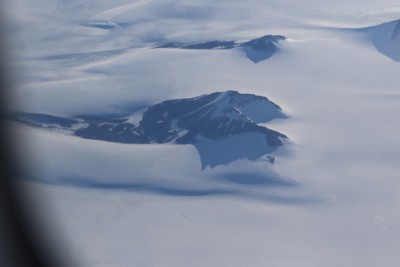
256,50
220,118
386,38
144,193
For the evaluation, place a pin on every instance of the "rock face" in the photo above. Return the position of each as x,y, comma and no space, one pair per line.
256,50
223,126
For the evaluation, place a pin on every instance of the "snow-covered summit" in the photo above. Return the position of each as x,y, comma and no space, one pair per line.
214,116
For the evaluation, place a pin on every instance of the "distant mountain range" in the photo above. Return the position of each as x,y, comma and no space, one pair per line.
256,50
223,126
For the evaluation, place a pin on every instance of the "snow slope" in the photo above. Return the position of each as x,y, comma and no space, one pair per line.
340,93
386,38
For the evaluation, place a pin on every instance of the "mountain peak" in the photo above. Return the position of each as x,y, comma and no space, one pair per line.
264,42
386,38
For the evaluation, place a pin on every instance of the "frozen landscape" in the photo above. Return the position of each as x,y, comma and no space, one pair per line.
204,133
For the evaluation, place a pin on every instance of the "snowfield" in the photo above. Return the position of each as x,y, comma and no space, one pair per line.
331,196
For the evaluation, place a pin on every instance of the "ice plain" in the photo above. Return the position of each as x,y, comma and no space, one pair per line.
340,92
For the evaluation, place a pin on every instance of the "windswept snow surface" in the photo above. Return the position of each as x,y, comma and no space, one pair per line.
335,194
